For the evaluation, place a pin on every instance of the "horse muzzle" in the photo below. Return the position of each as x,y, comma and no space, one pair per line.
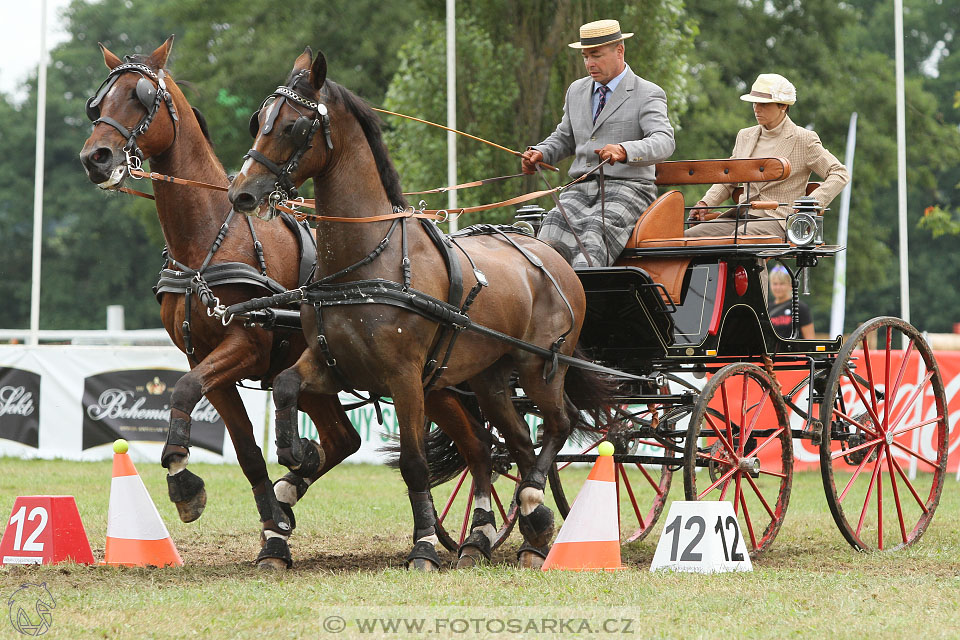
105,167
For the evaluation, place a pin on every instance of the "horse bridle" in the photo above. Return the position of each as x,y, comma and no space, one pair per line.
150,97
304,128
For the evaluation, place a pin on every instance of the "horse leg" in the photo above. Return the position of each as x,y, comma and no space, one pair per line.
186,489
536,519
409,406
337,441
446,410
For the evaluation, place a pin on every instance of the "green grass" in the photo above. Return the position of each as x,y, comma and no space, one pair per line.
353,533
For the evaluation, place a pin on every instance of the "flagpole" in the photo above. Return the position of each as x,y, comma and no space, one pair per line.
38,180
838,308
901,164
452,107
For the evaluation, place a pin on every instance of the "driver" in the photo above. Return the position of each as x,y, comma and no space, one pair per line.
615,116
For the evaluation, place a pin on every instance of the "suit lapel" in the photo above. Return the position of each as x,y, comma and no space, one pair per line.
749,143
787,140
615,99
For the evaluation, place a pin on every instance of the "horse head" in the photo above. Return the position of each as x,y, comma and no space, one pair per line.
133,115
286,131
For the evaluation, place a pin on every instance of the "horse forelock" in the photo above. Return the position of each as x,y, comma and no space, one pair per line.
369,123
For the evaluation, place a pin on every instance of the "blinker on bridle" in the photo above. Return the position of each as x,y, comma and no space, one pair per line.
150,97
301,135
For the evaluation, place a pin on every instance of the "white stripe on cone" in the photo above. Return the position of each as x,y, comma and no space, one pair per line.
593,516
132,514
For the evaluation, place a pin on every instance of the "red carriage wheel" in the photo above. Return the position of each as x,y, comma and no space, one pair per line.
883,456
739,448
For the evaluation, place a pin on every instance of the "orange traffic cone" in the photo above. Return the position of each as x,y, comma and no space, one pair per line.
590,537
136,536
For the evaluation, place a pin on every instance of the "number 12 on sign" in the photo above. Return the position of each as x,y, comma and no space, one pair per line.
703,537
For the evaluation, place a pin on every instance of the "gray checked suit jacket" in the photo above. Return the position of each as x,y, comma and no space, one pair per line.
635,116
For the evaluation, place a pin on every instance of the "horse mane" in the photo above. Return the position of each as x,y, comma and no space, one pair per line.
370,123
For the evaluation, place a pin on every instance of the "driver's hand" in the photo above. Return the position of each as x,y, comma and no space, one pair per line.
529,160
612,153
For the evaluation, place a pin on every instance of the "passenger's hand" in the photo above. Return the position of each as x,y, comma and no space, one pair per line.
700,211
529,160
612,153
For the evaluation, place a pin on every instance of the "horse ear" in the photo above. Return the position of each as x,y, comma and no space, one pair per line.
109,58
303,60
318,72
160,55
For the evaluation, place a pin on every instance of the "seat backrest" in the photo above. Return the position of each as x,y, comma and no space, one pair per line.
811,187
662,219
729,171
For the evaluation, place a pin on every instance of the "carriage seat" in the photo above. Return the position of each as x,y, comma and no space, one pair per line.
662,223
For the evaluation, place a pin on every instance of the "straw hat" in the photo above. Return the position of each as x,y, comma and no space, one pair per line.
599,33
771,87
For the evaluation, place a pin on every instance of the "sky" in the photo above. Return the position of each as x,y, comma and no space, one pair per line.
20,44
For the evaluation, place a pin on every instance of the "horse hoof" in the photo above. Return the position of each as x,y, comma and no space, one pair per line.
537,527
187,491
423,557
274,554
471,557
529,560
190,510
422,564
272,564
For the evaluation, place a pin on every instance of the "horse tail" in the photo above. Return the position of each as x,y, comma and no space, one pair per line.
443,457
591,393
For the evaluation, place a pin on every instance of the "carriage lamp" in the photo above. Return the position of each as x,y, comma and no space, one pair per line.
805,225
529,218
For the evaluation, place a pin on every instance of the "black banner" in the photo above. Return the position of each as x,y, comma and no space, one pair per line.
135,404
20,406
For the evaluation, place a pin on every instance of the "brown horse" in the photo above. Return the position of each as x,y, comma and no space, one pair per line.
360,337
174,137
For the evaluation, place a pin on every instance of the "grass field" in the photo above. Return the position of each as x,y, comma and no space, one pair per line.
354,530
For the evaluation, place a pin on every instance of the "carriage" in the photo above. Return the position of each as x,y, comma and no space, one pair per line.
722,397
669,313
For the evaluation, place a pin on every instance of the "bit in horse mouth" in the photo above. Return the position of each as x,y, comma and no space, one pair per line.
116,177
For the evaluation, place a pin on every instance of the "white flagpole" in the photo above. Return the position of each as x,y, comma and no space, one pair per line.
452,107
838,310
38,179
901,163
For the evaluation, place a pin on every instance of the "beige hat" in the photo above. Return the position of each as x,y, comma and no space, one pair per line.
771,87
599,33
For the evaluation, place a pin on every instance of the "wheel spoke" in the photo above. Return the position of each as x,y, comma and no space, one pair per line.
650,480
873,385
633,499
726,414
737,494
511,477
496,498
466,515
773,437
453,496
880,502
866,500
856,473
886,386
891,395
743,416
846,452
716,484
918,425
746,518
871,408
896,495
916,496
768,472
909,403
719,433
763,500
858,425
756,416
914,454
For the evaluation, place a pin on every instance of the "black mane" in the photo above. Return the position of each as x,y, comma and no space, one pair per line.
370,123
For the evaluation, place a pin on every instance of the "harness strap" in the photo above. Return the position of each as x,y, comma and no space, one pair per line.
570,226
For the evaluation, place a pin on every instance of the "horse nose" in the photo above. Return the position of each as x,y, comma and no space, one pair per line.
98,162
244,201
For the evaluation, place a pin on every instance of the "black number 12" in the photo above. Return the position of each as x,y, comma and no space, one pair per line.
733,554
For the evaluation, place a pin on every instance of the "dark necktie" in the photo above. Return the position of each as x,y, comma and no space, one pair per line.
603,100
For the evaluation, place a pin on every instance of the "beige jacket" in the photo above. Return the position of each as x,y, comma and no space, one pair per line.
806,155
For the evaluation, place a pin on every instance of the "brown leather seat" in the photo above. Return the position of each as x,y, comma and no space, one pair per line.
707,241
662,219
